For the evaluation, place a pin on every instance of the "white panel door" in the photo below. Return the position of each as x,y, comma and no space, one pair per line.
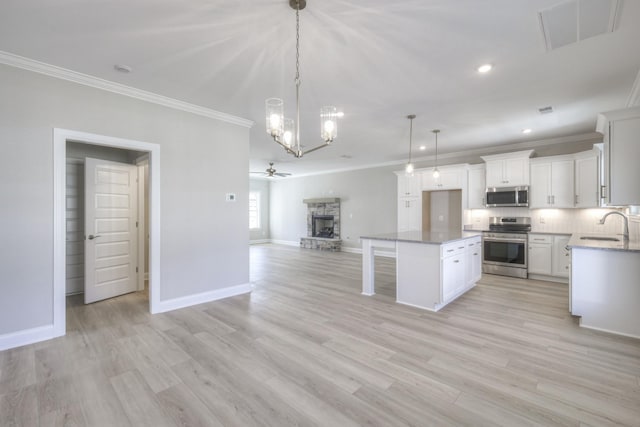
110,229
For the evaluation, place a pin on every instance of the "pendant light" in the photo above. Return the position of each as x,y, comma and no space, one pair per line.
436,172
409,168
285,131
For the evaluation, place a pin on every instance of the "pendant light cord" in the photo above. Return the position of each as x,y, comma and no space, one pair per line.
297,79
410,135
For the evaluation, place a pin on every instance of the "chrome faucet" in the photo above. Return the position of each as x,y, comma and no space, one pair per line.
626,222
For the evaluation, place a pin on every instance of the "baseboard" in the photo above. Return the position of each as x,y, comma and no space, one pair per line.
201,298
285,242
594,328
387,254
28,336
259,241
545,278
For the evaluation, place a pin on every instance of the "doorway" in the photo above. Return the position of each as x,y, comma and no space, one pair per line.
152,152
102,236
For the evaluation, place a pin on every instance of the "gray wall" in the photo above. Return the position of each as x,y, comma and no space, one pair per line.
262,186
367,198
204,239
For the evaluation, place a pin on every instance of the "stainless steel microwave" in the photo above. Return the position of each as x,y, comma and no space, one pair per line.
507,196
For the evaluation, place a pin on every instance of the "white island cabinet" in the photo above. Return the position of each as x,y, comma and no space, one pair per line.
604,288
432,269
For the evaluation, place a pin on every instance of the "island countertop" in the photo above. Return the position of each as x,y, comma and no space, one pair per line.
426,237
577,242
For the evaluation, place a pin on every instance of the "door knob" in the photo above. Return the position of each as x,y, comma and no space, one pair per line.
91,236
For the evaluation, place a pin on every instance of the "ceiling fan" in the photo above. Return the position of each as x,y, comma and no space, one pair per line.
270,171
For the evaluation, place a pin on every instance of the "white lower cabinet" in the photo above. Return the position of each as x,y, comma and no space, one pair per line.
461,267
409,214
549,257
561,262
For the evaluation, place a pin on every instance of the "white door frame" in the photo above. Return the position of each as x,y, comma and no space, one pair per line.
60,138
141,162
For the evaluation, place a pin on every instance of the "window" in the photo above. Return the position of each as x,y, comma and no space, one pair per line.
254,210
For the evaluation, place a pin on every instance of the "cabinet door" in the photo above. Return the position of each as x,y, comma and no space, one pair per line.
623,154
453,276
473,264
561,257
409,214
562,192
476,188
494,173
540,191
587,183
539,258
516,171
409,185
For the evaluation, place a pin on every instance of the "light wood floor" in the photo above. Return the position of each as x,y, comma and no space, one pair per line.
305,348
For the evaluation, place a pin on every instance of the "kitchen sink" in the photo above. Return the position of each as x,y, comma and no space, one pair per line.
601,238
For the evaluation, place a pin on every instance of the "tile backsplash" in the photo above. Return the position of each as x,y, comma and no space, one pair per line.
559,220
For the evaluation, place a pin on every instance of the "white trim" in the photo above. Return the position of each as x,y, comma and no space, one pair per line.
634,95
484,151
285,242
28,336
141,163
607,330
189,300
60,138
98,83
259,241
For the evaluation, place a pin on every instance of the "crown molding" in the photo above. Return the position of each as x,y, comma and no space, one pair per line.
106,85
634,95
592,137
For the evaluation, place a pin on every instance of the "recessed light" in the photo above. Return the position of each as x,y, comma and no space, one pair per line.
423,147
527,130
485,68
122,68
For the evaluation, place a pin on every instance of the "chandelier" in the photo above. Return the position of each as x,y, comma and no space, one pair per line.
286,131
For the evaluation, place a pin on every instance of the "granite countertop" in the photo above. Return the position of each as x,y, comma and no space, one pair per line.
549,233
577,242
427,237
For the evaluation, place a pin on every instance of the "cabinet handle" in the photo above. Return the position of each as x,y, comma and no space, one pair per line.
603,194
483,202
539,240
460,247
456,261
476,253
449,250
553,200
576,200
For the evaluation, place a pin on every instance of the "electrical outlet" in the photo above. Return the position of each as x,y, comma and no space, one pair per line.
542,220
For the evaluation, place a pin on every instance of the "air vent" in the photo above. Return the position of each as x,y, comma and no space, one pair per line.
546,110
576,20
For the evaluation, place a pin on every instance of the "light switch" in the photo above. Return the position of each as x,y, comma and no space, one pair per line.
231,197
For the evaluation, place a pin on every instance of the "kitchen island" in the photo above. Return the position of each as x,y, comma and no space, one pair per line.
604,286
432,268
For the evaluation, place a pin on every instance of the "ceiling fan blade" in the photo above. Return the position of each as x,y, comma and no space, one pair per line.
282,174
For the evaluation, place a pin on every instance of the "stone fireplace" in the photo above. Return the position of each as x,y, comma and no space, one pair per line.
323,225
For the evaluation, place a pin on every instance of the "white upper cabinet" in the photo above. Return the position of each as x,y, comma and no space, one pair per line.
621,154
409,185
587,179
450,178
476,186
551,182
508,170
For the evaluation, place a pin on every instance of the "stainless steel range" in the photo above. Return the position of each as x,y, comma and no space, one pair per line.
505,246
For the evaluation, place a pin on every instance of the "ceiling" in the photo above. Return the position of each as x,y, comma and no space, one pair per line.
376,60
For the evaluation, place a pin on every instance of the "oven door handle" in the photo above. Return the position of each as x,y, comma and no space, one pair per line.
508,240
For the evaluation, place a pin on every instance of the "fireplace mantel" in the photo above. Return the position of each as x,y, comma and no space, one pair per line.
317,201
